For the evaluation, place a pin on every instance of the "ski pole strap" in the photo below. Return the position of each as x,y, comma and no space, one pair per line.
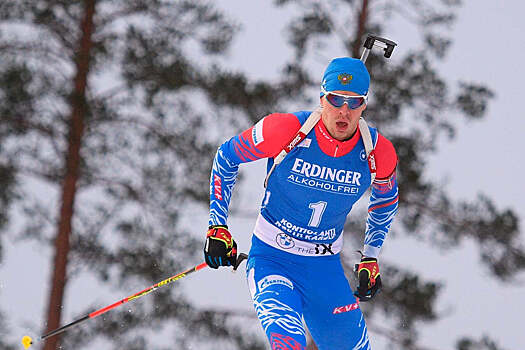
369,147
240,258
308,125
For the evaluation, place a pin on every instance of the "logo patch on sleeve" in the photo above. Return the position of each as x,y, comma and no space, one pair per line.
257,133
217,187
306,143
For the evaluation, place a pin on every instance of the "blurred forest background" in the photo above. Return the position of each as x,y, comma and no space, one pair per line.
111,112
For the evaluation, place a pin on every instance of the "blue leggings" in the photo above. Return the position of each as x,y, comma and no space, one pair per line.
288,288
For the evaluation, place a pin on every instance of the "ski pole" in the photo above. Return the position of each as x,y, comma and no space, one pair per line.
27,341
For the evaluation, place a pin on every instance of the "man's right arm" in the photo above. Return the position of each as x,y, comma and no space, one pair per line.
263,140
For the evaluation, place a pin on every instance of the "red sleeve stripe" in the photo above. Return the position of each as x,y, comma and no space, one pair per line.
238,153
384,204
244,152
250,147
241,151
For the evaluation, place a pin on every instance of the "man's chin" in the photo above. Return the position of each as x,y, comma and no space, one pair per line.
343,135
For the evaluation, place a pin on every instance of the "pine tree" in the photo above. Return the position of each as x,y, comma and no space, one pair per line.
8,182
103,109
136,125
485,343
410,105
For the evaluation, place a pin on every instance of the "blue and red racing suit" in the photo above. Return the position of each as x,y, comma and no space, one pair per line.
294,271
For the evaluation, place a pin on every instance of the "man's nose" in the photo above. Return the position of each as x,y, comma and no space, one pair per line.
344,109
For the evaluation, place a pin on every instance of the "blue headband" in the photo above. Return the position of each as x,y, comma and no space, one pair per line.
346,74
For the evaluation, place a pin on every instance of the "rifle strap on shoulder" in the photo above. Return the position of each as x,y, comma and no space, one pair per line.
308,125
369,147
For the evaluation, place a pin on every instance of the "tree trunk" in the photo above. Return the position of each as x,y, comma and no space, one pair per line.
360,30
71,174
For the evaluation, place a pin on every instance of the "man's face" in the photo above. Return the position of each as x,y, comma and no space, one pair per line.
341,122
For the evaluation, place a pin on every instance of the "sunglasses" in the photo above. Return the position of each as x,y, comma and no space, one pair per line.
338,100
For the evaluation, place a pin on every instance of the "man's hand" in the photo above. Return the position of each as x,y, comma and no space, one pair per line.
369,279
220,248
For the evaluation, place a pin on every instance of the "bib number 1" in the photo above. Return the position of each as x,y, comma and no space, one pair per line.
317,212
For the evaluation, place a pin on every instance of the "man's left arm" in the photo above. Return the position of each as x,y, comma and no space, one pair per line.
381,211
383,199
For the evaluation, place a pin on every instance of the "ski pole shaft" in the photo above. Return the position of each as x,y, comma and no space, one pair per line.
118,303
27,341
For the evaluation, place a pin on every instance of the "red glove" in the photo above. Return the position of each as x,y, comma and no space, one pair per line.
220,248
369,279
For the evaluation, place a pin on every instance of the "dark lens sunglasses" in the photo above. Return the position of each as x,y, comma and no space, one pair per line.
338,100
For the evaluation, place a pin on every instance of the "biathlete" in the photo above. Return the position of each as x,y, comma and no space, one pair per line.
294,271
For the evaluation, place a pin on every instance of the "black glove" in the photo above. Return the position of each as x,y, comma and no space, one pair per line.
369,279
220,248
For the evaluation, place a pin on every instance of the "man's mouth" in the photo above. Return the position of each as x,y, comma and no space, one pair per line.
341,125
